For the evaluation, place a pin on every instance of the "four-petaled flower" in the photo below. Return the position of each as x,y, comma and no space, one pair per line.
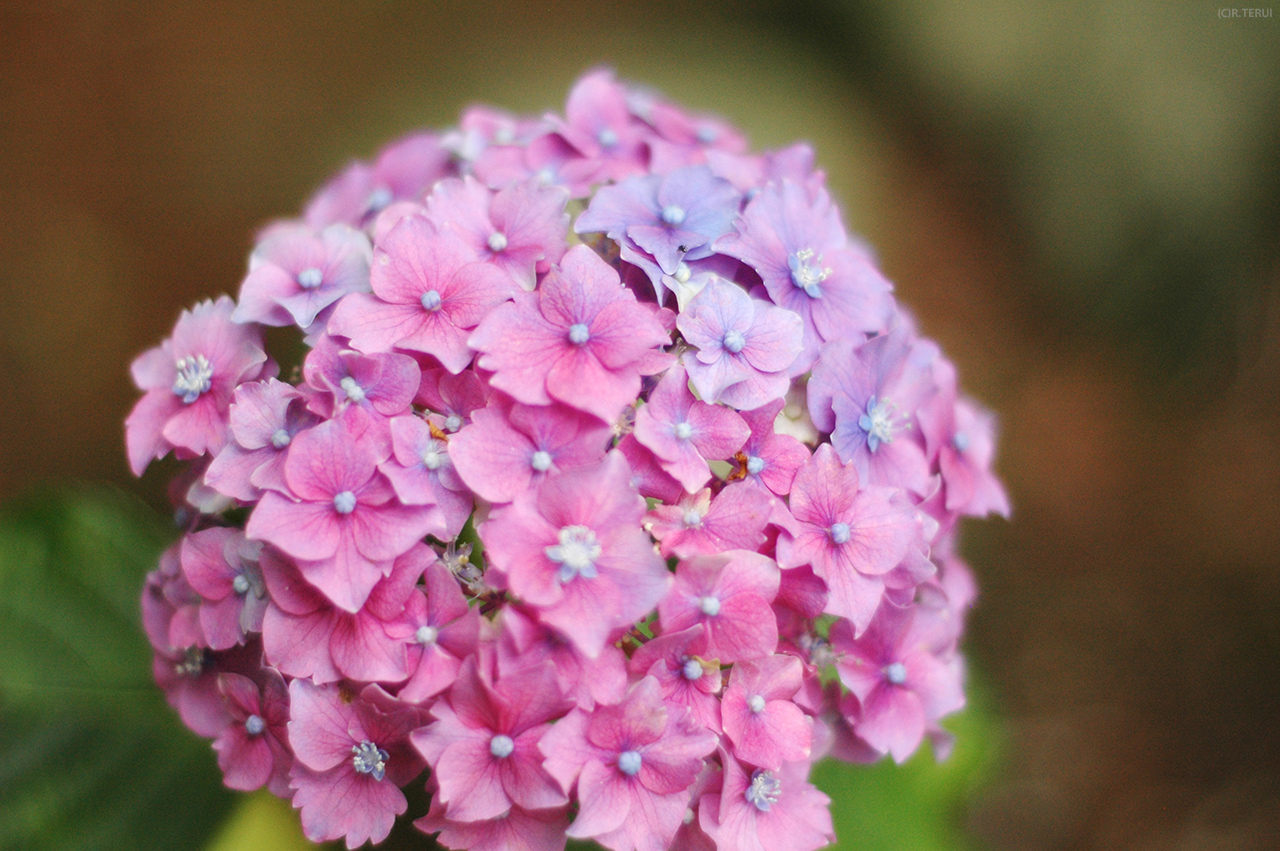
582,339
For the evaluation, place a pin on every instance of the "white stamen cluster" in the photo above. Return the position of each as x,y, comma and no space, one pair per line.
195,376
576,553
368,758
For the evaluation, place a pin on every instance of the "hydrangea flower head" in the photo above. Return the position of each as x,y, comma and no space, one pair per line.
578,559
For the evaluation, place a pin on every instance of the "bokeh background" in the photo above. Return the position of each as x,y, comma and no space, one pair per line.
1079,200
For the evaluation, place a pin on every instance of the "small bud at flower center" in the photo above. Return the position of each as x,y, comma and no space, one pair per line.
540,461
426,634
629,763
501,746
497,241
240,584
431,459
310,278
691,670
254,725
896,673
353,389
431,300
709,606
734,341
579,333
379,198
692,519
756,703
839,533
683,431
673,215
344,503
755,464
280,439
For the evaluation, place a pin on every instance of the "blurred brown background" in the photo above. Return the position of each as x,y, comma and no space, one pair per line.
1079,200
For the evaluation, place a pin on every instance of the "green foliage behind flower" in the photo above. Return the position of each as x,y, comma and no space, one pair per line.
90,757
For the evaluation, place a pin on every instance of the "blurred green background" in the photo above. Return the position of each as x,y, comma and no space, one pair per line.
1079,200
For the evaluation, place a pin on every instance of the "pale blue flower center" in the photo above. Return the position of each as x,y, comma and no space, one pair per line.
426,634
254,725
896,673
692,518
452,423
607,138
432,457
501,746
877,422
344,503
629,763
734,341
541,461
368,758
673,214
764,791
683,431
576,553
691,670
497,241
756,703
249,581
839,533
755,464
280,439
683,273
706,134
709,606
353,389
379,198
310,278
807,272
960,441
579,333
195,376
431,300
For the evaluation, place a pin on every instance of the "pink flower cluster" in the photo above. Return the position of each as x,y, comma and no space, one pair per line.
612,491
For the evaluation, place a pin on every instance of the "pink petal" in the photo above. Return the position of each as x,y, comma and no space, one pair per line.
605,800
344,803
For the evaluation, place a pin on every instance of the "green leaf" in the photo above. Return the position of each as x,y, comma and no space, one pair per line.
91,756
